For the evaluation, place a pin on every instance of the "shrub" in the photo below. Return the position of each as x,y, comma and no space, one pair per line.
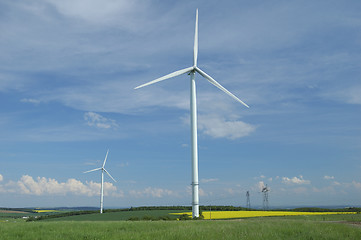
133,219
148,218
164,218
184,217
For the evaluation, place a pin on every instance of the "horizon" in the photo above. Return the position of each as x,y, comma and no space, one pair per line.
258,207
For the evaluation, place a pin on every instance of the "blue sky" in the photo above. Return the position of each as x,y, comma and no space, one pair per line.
67,73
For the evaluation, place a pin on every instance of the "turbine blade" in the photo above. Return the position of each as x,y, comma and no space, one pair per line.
173,74
105,158
195,49
215,83
93,170
109,175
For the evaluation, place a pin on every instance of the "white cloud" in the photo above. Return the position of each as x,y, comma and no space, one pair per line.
336,183
1,178
299,190
328,177
233,191
261,177
204,180
48,186
96,11
218,127
151,192
97,120
354,95
201,192
295,180
230,191
260,185
356,185
124,164
349,95
327,189
30,100
118,194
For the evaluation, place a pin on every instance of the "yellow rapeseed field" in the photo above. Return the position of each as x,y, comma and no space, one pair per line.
247,214
45,211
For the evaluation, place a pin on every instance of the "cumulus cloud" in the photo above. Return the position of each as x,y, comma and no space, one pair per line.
295,180
1,178
328,177
48,186
219,127
151,192
97,120
261,185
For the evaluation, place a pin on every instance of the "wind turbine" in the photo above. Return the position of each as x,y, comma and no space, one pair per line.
102,182
193,109
265,191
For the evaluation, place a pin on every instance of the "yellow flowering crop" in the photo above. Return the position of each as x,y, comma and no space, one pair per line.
45,211
247,214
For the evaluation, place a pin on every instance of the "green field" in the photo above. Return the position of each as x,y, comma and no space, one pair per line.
120,216
113,225
257,228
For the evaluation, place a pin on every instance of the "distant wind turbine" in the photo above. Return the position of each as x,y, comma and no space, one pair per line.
102,183
193,108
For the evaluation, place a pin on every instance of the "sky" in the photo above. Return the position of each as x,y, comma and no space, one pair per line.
68,70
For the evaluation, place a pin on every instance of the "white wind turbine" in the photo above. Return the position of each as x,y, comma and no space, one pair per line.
102,181
193,108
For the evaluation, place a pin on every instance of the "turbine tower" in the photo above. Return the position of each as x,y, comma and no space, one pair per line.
193,109
102,181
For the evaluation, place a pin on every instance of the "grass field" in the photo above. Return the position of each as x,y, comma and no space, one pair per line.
119,216
250,214
256,228
174,214
112,225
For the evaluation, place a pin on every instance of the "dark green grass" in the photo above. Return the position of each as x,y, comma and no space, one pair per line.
120,216
262,228
15,215
328,218
20,215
